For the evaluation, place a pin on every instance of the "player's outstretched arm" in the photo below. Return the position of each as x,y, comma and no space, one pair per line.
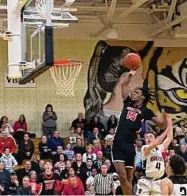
124,82
169,135
122,89
166,187
158,140
126,78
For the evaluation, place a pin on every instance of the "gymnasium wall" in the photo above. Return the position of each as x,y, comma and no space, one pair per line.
164,70
158,69
32,101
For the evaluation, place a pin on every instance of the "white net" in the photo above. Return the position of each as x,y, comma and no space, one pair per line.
41,7
64,73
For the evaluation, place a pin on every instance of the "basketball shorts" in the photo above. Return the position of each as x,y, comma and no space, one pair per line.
148,187
124,153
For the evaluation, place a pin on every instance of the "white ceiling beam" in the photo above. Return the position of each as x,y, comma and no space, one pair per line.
132,8
68,3
103,21
105,9
171,11
121,3
159,21
107,23
102,9
175,22
111,10
100,31
158,10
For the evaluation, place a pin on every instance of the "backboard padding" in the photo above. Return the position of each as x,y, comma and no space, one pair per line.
41,67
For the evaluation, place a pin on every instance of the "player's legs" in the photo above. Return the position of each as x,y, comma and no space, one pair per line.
123,157
129,172
129,162
121,171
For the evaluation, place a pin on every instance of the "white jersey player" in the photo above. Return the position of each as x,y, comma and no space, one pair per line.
153,160
176,183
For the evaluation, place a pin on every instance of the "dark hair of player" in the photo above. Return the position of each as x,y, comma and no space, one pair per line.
150,132
177,165
148,94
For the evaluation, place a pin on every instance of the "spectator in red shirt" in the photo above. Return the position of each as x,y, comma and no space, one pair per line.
20,128
7,142
71,173
35,188
72,188
21,124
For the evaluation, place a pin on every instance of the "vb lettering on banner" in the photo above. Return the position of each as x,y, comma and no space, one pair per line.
14,83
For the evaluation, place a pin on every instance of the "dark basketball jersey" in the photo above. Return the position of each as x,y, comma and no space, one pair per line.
48,183
130,122
179,185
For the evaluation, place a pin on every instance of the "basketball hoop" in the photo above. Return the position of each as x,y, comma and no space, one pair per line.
64,73
41,6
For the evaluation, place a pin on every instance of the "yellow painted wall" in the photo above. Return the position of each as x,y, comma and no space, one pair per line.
32,101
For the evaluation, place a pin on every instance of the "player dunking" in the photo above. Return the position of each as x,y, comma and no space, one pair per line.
153,160
176,182
134,111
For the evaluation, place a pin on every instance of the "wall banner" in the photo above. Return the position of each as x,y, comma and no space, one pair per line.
14,83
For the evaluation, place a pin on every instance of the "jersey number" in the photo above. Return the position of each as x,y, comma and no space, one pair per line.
48,186
131,115
158,165
183,191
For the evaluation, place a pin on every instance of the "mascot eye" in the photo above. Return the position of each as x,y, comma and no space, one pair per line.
181,93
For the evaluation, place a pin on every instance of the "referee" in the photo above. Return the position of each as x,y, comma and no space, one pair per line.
103,183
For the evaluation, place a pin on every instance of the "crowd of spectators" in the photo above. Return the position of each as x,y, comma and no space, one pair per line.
81,164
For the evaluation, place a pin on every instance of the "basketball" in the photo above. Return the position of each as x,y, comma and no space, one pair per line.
132,61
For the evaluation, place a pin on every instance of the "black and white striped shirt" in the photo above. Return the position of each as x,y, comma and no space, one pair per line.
103,184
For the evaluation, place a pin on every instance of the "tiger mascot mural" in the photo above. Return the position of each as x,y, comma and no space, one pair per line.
163,69
168,77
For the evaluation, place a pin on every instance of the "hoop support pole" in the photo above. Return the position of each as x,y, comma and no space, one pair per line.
48,12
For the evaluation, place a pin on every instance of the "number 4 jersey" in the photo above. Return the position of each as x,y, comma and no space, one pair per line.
153,162
179,185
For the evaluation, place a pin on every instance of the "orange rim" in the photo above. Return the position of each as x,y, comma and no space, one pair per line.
70,62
